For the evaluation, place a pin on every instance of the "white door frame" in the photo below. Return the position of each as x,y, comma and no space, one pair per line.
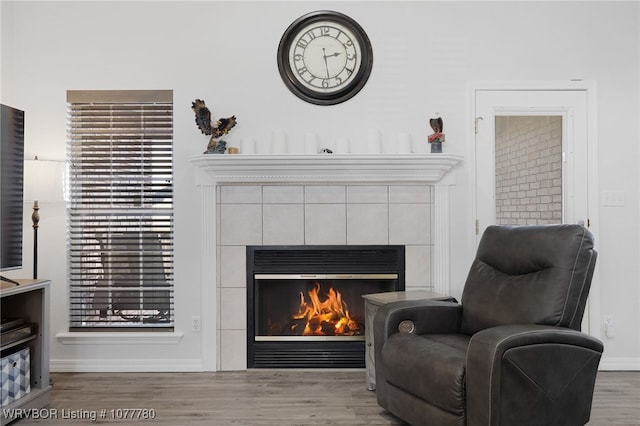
590,88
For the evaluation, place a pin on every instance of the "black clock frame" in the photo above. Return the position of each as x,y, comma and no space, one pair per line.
310,95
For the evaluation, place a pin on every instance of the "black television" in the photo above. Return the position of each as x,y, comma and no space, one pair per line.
11,186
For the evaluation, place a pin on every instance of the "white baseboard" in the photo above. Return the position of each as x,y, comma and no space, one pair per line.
125,365
619,364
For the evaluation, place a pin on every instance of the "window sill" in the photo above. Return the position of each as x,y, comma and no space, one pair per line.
119,338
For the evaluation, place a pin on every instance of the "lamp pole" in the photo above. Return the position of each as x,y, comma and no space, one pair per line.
35,218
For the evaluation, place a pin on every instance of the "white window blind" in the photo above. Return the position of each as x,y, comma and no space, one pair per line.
120,209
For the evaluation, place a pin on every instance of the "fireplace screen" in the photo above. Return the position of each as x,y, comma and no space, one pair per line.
304,303
314,306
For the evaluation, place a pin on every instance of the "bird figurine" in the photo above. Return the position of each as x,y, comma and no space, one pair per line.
436,124
437,137
215,129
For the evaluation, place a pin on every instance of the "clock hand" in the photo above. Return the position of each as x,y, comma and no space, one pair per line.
333,54
324,54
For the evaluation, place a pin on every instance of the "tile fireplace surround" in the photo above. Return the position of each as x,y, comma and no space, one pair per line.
314,200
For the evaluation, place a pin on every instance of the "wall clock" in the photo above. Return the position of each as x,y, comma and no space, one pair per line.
325,57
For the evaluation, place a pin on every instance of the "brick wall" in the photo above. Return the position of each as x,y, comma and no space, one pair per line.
528,170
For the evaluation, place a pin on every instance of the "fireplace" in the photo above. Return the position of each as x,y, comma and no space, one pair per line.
305,306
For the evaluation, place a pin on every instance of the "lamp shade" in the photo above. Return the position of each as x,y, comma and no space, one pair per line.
44,180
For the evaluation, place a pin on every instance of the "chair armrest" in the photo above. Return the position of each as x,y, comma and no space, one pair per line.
554,366
428,316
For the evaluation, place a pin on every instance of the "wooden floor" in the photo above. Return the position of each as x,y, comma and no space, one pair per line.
266,397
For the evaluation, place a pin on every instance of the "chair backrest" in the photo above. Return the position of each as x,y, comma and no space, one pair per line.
529,275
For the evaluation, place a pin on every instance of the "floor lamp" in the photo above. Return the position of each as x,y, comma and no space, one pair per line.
43,182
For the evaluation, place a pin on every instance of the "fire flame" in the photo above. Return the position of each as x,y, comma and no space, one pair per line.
325,317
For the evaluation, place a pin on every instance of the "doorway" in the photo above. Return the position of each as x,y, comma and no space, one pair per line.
534,161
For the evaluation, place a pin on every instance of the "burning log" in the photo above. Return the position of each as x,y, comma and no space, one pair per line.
328,317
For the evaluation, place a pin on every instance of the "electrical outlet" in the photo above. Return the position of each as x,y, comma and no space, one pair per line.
609,326
195,324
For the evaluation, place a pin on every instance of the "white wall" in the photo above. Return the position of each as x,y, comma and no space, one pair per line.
425,56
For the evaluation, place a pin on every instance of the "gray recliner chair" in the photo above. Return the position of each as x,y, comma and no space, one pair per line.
511,353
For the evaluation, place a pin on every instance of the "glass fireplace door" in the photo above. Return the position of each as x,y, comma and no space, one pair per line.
314,306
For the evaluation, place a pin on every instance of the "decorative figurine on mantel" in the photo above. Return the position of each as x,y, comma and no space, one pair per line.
215,129
437,137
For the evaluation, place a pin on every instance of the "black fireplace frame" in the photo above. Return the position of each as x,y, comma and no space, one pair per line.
315,259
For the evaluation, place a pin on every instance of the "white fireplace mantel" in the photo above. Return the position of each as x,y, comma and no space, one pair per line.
323,168
214,170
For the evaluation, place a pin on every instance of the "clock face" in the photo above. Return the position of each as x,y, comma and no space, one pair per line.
325,58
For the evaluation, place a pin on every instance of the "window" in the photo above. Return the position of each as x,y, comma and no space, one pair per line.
120,210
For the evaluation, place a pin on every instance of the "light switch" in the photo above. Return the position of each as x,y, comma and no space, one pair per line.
613,198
